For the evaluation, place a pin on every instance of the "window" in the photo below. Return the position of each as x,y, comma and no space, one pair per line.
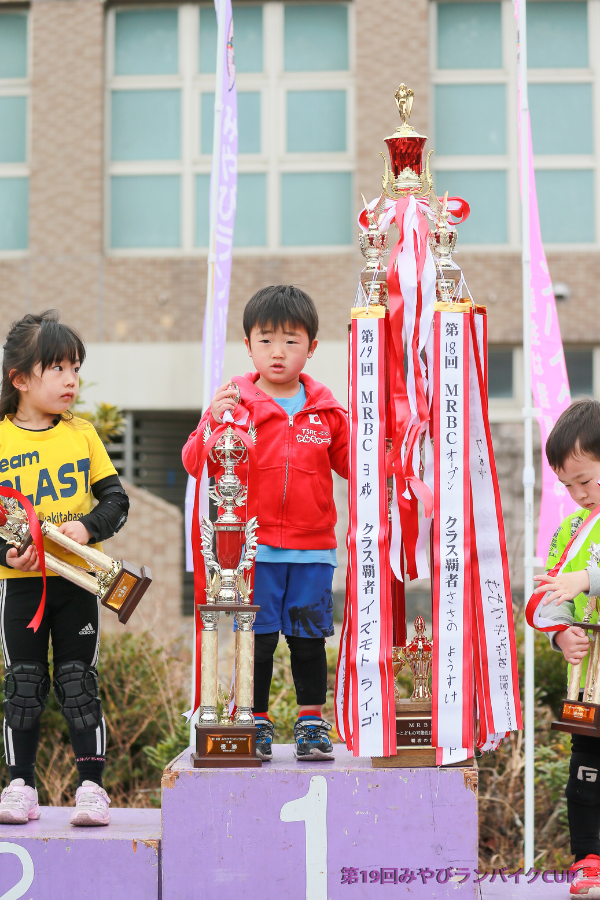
580,369
500,373
295,100
14,154
475,118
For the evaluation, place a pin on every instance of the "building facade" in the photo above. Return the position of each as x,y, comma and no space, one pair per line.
105,143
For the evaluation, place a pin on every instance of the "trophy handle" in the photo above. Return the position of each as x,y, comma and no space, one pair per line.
387,182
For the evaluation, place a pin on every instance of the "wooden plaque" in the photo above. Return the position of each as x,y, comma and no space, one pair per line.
225,747
127,590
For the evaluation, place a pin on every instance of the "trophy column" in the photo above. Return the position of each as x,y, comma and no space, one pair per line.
208,666
244,666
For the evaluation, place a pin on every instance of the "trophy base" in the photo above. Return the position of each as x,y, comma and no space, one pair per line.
225,747
413,737
578,717
407,758
128,588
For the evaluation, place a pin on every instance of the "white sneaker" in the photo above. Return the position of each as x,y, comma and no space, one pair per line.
18,803
91,805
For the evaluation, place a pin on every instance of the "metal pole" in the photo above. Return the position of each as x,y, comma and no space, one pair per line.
207,337
528,470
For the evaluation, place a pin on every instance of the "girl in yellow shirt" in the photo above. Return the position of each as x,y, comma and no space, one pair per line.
58,461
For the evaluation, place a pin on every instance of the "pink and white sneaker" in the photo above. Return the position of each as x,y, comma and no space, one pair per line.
91,805
586,877
18,803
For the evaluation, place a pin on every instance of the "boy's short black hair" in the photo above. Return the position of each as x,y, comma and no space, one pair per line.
576,432
281,306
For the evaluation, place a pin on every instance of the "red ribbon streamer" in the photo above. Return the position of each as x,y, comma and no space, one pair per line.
196,535
38,540
399,408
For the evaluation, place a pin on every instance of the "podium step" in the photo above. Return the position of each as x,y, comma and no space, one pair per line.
291,829
49,859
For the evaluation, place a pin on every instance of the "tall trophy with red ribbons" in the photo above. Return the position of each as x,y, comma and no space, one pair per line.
423,491
224,554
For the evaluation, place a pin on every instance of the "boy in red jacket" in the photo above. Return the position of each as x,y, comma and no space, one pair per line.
302,434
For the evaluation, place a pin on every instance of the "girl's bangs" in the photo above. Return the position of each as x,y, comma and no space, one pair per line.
57,342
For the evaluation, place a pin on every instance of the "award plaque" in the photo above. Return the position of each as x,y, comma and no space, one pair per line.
583,716
118,585
228,547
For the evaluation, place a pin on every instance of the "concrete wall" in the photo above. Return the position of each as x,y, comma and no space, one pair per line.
153,536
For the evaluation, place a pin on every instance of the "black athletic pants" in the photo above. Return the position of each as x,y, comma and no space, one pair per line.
309,669
583,795
71,618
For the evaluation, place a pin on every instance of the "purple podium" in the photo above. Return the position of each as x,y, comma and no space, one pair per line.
290,830
295,830
49,859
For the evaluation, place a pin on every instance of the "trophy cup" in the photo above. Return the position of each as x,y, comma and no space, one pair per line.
118,585
450,287
583,717
374,245
405,147
227,742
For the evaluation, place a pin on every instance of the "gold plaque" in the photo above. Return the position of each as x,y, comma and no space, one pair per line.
119,595
578,713
460,306
374,311
235,744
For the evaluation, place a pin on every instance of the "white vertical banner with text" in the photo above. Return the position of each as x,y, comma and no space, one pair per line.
452,713
369,693
495,649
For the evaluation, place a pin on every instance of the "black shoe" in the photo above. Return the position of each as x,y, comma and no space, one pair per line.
312,741
265,732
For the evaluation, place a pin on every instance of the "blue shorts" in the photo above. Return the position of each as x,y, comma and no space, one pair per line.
294,598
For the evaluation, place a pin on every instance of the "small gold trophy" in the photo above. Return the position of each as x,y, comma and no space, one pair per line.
118,585
223,743
413,714
583,717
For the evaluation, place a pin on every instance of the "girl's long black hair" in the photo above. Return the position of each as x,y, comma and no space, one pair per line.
35,339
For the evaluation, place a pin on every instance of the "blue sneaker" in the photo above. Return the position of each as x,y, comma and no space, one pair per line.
265,732
312,740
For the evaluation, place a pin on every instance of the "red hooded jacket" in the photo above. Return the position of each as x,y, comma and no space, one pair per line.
295,457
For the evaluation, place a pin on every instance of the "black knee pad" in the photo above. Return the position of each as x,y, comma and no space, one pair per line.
583,785
26,688
306,648
265,646
76,689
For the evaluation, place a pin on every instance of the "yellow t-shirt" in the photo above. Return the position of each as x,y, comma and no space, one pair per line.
55,469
